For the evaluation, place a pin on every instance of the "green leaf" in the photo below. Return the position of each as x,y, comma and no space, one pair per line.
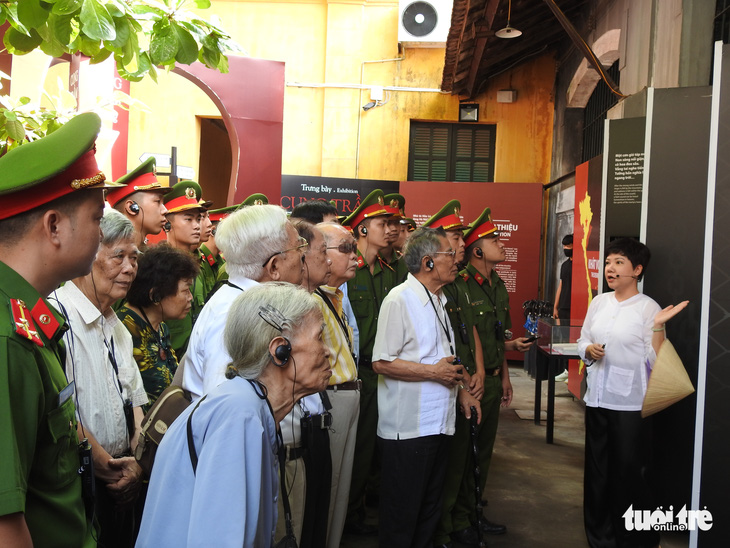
15,130
103,55
90,48
31,13
163,46
67,7
10,116
96,23
19,43
24,100
202,4
187,51
56,35
209,57
122,33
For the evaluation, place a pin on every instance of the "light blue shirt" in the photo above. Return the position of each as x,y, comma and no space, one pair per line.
347,309
231,499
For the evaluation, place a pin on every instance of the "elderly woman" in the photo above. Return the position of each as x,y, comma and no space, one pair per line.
109,389
274,337
619,341
160,292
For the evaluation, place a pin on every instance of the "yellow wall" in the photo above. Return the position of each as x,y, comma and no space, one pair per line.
327,42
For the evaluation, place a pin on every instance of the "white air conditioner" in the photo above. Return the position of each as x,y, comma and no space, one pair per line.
424,24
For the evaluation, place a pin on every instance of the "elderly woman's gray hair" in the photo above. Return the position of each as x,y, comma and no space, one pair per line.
115,227
421,243
249,236
247,335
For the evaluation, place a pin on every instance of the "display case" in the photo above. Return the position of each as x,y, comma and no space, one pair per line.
558,337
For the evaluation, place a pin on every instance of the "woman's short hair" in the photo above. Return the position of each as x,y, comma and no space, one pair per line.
422,242
159,271
115,227
249,236
636,252
247,335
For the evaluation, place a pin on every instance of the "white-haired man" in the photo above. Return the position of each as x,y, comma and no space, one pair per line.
419,383
246,239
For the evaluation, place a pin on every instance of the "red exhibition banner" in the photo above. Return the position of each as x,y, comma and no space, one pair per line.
517,213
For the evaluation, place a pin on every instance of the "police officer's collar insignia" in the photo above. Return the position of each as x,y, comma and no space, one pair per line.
22,319
478,277
210,259
465,275
190,192
360,261
45,319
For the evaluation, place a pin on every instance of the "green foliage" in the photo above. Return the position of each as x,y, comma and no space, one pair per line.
22,122
141,34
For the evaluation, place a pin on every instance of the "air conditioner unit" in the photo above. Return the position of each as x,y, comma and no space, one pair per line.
424,24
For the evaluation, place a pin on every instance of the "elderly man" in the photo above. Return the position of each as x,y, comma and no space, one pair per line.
49,233
246,238
344,386
417,392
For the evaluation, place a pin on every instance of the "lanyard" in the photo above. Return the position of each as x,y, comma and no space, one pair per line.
340,321
442,324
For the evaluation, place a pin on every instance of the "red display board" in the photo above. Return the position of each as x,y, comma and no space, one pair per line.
517,213
586,249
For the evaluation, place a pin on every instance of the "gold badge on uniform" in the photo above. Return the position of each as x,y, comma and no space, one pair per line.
190,192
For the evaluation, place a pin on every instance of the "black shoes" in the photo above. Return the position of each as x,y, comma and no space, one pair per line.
490,528
466,536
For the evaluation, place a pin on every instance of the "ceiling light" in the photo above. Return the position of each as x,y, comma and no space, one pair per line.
508,31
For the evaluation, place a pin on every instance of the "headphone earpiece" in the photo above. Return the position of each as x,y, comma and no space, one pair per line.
364,230
429,263
478,252
134,208
282,353
167,226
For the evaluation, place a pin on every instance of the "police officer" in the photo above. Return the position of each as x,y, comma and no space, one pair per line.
186,211
489,301
49,233
395,204
469,351
366,291
140,199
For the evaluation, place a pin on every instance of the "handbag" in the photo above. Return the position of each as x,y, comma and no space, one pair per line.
169,405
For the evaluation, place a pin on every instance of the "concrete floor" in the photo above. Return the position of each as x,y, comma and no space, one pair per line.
534,488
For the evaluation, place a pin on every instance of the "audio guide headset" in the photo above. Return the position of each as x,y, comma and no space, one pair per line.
134,208
429,263
364,230
478,252
276,319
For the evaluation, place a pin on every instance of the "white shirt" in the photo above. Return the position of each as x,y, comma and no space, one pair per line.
409,329
205,361
99,401
618,380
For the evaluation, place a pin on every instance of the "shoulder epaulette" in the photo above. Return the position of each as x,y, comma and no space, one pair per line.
22,319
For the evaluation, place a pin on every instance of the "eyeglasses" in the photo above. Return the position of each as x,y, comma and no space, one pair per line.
302,244
346,248
451,253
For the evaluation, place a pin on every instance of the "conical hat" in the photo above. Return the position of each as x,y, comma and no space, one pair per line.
668,382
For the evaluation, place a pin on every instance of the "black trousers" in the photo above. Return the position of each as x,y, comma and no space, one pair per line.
117,528
618,447
318,467
411,485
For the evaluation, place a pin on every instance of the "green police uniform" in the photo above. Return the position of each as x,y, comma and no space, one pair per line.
38,447
209,266
186,195
490,307
366,292
39,458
